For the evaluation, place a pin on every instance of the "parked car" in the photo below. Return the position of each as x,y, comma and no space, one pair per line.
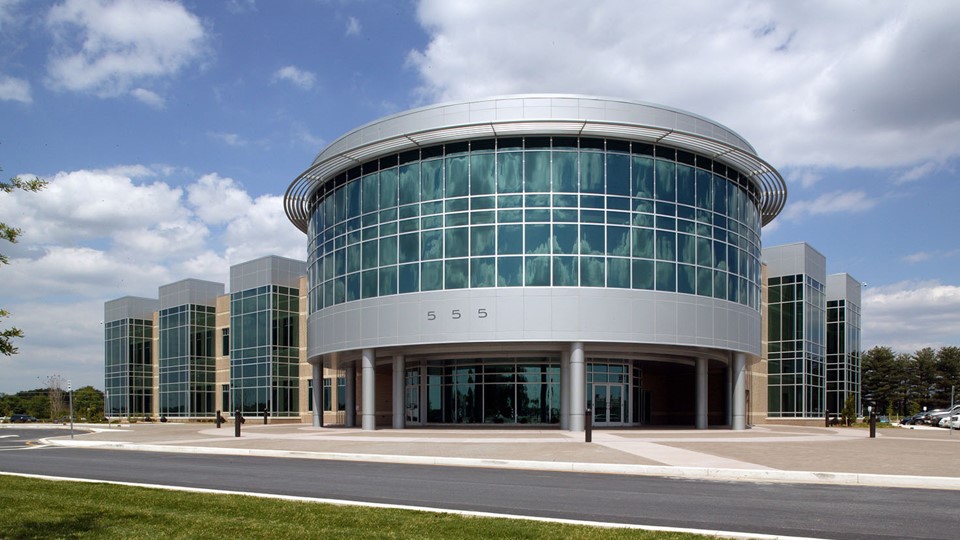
22,418
954,422
912,420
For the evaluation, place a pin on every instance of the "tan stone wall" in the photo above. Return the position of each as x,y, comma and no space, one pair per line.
222,322
155,360
757,366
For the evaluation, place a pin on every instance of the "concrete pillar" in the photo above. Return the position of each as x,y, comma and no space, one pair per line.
317,396
739,391
399,388
578,386
565,390
350,397
369,377
702,376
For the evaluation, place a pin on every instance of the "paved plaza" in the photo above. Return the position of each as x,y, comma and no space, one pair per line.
919,457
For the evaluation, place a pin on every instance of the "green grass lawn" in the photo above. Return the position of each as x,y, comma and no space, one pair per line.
33,508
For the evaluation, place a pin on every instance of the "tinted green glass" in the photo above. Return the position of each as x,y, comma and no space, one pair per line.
353,258
591,172
353,199
642,175
482,178
537,271
410,183
565,271
686,249
666,246
482,240
686,184
592,239
483,272
618,273
643,243
666,276
486,216
537,171
686,279
618,241
704,252
719,284
388,188
353,287
618,174
565,172
431,179
369,254
409,248
565,239
431,245
368,283
509,271
509,239
431,276
592,271
643,274
666,180
457,179
457,242
719,255
455,274
409,278
388,280
537,239
509,172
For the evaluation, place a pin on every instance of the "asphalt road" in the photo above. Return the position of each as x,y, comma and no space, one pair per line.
781,509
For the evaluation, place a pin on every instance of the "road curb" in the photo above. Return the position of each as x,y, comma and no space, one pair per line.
692,473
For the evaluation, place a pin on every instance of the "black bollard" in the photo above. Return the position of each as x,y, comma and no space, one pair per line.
237,420
588,426
266,414
873,425
219,419
826,418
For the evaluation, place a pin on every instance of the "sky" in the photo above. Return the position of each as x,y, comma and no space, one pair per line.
169,131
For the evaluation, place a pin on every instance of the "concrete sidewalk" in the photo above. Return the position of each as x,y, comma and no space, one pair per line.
921,457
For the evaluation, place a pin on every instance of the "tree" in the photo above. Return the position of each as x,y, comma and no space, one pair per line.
880,377
849,412
88,403
57,397
10,234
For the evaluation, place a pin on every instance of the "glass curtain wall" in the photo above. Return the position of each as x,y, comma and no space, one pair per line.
843,354
485,391
796,347
264,356
187,361
535,212
129,367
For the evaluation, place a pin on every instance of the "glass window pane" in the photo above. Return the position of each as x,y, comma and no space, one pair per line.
410,183
686,188
592,240
409,247
482,240
509,172
591,172
353,287
431,276
686,279
565,172
388,250
370,254
565,239
388,280
704,282
537,171
538,240
370,192
666,276
537,272
686,249
353,258
642,274
509,271
388,188
618,273
719,194
618,241
353,199
509,239
592,272
368,280
618,174
457,244
431,246
720,284
666,180
565,271
455,274
482,272
643,243
482,179
431,179
642,177
457,181
666,245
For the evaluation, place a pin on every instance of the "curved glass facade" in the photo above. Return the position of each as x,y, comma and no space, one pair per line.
535,212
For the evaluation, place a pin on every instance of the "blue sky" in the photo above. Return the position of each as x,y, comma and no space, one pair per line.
170,130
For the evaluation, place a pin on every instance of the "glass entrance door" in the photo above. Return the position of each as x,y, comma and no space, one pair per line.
608,392
608,404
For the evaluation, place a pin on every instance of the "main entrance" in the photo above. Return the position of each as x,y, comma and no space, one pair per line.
608,392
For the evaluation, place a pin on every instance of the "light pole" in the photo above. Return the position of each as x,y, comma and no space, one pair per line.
70,391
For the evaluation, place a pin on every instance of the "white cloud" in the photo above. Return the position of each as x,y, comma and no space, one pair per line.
353,26
106,47
828,203
298,77
917,257
94,235
14,89
230,139
817,84
918,172
150,98
911,315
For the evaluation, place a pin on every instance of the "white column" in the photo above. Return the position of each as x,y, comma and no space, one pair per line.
350,397
399,403
739,391
701,414
317,396
368,375
578,386
565,390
